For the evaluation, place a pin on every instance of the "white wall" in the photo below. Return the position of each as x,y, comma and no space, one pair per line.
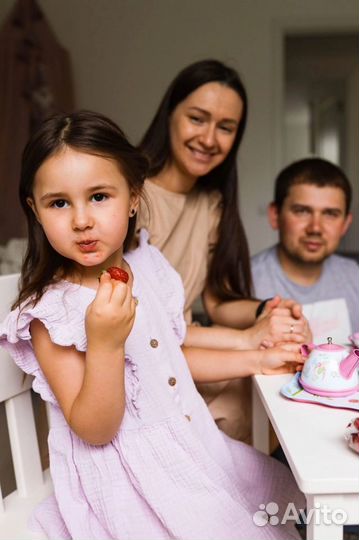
296,137
350,241
125,52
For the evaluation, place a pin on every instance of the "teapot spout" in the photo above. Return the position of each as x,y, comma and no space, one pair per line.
348,364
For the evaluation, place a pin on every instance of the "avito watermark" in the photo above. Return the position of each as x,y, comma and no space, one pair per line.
321,514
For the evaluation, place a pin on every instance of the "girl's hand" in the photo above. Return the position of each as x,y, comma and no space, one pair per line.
283,358
110,317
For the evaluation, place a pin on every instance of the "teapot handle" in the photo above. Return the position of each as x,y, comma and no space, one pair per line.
348,365
306,349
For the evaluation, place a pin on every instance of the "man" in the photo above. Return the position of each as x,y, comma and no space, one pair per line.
311,211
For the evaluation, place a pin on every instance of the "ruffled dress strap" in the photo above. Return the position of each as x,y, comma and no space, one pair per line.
164,279
62,313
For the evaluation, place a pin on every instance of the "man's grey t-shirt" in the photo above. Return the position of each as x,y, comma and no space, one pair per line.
331,305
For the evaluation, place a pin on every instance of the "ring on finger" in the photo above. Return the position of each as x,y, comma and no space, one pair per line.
291,329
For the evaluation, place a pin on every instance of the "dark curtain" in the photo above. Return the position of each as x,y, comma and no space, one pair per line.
35,81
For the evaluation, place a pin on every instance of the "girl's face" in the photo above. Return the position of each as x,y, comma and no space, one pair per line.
83,203
203,128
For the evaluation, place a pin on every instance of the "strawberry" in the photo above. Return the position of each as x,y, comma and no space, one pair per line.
117,273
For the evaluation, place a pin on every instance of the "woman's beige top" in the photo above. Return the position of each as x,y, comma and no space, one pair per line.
184,228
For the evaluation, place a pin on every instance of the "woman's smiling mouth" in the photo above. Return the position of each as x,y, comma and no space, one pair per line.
202,155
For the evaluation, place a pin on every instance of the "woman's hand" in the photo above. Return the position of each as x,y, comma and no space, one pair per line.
283,358
282,320
293,308
110,317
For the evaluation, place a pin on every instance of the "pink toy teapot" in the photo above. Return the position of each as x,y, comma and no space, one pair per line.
330,370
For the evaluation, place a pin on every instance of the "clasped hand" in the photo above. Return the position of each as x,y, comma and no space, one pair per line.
282,321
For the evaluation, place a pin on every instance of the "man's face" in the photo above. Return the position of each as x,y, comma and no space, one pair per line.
311,222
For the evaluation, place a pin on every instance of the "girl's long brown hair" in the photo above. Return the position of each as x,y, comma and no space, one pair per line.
88,132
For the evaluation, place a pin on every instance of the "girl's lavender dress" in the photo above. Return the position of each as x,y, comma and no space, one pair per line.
169,472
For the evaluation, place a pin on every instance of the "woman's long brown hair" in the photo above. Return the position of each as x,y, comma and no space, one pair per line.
229,275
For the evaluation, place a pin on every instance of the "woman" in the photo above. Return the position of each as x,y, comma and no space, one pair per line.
192,217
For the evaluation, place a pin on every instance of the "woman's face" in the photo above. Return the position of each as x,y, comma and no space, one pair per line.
203,128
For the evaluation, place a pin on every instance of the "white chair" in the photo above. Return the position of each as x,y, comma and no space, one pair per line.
33,484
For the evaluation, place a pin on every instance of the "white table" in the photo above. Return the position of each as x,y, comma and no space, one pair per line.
311,436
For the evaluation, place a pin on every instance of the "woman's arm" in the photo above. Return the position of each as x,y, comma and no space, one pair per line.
281,320
268,330
218,337
208,365
90,386
235,313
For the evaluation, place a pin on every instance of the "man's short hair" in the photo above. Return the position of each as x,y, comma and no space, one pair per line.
316,171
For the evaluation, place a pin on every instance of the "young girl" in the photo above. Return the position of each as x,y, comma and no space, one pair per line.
134,452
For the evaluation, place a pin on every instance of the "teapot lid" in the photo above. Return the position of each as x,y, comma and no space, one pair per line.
330,346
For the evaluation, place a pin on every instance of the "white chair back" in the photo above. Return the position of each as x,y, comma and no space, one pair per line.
32,484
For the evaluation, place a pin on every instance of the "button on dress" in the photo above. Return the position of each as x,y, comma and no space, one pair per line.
169,473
